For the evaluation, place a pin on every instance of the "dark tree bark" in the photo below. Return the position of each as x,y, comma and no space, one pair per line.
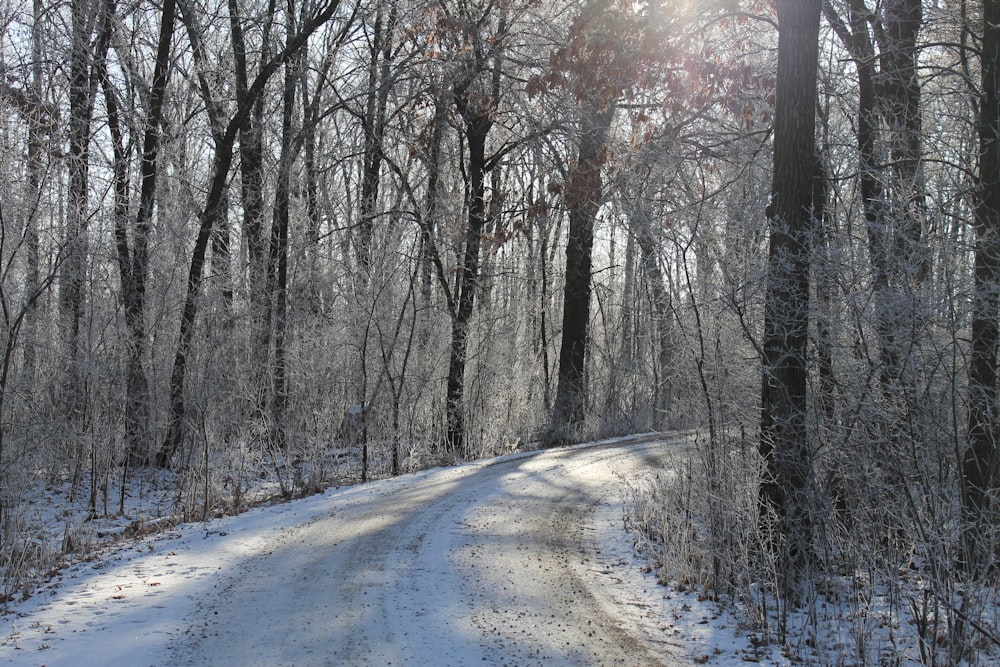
613,50
311,105
251,151
897,232
209,217
39,125
478,124
221,265
902,20
251,139
541,343
583,200
980,474
825,295
784,438
476,98
429,257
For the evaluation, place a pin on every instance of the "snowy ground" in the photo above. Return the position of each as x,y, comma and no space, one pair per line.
520,560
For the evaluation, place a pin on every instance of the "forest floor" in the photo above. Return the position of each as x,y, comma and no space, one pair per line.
520,560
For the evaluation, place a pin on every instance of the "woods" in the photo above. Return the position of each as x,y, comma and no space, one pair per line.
335,240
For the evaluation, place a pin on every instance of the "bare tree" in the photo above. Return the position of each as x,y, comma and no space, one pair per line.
132,240
209,217
72,281
891,190
476,95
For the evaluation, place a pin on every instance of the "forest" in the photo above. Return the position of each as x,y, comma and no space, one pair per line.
328,241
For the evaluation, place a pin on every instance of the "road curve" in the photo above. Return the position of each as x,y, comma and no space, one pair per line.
498,563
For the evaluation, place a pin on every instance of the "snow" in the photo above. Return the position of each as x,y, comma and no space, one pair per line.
518,560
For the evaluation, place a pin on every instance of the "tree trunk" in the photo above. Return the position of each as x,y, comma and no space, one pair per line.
784,439
221,266
278,254
901,27
980,474
213,209
892,197
477,128
38,125
314,215
583,198
133,263
379,84
478,110
74,265
897,226
428,249
825,291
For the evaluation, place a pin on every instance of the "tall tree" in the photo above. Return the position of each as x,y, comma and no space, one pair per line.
373,125
72,283
784,437
901,24
277,273
891,191
640,226
981,463
583,199
252,182
133,253
613,48
476,95
39,125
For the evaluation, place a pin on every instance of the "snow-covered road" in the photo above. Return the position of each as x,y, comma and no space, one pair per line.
497,564
516,561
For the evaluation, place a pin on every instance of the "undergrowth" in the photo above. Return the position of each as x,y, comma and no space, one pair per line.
873,597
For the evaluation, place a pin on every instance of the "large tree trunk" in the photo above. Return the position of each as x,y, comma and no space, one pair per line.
901,28
221,266
477,128
313,212
784,439
896,230
892,195
872,190
826,286
429,257
177,426
38,127
583,199
980,474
